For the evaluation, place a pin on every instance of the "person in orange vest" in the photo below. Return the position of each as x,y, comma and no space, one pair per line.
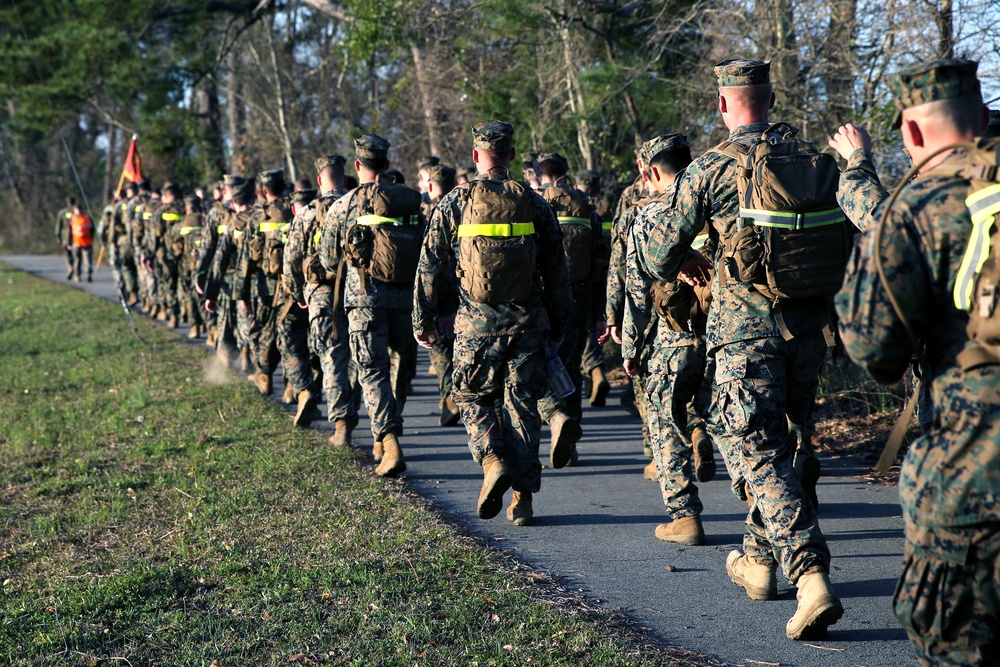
82,230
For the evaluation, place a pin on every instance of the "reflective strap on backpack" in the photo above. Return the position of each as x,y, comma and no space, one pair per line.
381,220
316,237
497,229
222,229
568,220
266,227
699,241
171,217
791,220
187,230
607,225
237,233
983,206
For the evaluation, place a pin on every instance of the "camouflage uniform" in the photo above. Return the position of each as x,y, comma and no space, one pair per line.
604,206
764,381
164,263
137,227
377,314
442,352
182,241
147,249
499,350
948,596
208,241
121,248
64,237
220,282
310,284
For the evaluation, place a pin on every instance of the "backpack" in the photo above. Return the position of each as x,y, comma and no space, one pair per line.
573,210
497,250
384,241
274,228
679,305
792,240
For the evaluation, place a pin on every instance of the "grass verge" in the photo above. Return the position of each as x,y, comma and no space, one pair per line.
150,516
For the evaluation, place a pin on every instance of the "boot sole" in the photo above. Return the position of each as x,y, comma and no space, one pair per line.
306,416
686,540
491,502
599,398
397,467
562,446
704,463
753,592
827,614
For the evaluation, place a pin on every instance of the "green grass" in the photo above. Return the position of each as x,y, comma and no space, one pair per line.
151,517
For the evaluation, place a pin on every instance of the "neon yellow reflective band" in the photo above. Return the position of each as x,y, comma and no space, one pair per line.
380,220
147,216
316,237
172,217
237,233
607,226
700,241
566,220
789,220
983,206
187,230
497,229
222,229
273,226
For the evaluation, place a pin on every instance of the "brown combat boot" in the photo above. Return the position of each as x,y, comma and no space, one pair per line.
449,412
377,451
262,381
195,332
392,457
162,315
686,530
210,338
307,411
496,480
704,454
288,396
650,472
341,434
132,299
757,579
172,322
565,432
520,513
819,607
245,359
599,388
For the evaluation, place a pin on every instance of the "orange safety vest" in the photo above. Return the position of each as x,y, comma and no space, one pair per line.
83,230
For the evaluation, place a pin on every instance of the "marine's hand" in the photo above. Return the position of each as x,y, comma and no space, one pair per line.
244,306
695,271
616,334
631,366
427,339
210,305
850,138
601,329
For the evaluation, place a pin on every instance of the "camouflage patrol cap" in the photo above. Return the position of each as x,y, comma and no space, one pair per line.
271,176
144,184
440,173
217,185
172,188
663,142
742,72
304,196
193,202
554,157
589,177
325,161
429,161
234,180
371,147
529,160
493,135
942,79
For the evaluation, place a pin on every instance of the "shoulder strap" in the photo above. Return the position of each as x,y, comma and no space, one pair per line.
731,149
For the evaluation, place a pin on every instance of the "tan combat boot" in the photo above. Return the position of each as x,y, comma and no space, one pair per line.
520,513
288,397
172,321
132,299
162,315
496,481
819,607
341,434
757,579
449,412
704,455
392,457
245,359
307,411
262,381
650,472
195,332
599,388
377,451
686,530
210,338
565,433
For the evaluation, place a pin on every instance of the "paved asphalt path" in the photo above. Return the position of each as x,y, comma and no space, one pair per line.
594,530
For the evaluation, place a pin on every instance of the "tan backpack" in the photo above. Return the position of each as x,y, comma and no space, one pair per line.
384,241
792,240
496,245
573,210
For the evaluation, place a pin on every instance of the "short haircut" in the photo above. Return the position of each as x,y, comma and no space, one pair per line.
70,201
275,189
303,184
332,172
755,98
551,168
378,165
243,197
672,160
396,175
964,114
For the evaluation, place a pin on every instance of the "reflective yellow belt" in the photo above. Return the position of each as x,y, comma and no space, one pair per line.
237,233
567,220
607,226
789,220
983,206
699,241
316,237
172,217
380,220
187,230
497,229
266,227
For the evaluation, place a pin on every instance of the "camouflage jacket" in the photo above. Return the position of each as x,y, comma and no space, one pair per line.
615,289
64,235
136,226
258,266
227,252
706,196
301,255
545,310
359,292
119,231
860,190
213,225
592,290
949,476
157,227
183,241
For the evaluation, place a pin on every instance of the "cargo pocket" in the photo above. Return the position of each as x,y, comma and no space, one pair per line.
361,342
736,405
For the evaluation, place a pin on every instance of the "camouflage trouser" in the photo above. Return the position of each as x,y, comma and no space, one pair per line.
593,353
83,262
570,351
948,596
147,279
441,358
166,279
334,352
188,297
673,380
490,370
243,324
763,384
373,332
121,255
68,251
262,335
642,405
293,343
225,338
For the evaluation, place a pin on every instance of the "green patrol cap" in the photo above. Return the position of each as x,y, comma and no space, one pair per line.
554,157
371,147
930,82
271,176
234,180
663,142
429,161
304,196
742,72
325,161
440,173
193,202
493,135
588,177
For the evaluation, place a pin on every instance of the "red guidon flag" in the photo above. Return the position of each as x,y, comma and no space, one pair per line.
133,167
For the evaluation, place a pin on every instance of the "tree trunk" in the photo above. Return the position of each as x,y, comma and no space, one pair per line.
279,91
584,136
944,18
109,162
235,114
839,51
426,98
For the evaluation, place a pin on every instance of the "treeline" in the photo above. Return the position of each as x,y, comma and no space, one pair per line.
214,86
